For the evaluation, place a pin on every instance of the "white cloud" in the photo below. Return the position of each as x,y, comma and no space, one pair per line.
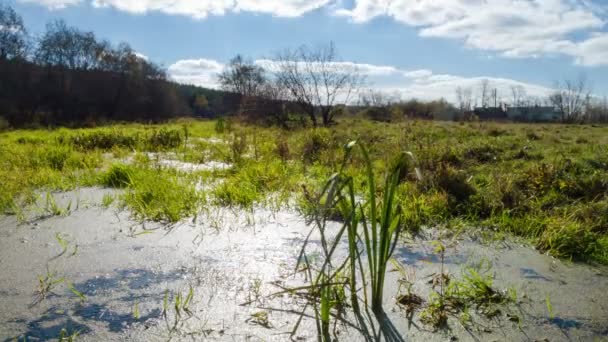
199,9
512,28
53,4
421,84
593,51
200,72
444,86
365,69
509,28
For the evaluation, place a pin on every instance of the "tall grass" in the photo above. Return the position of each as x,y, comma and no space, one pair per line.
376,222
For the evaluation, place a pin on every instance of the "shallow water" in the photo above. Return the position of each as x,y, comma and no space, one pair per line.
234,260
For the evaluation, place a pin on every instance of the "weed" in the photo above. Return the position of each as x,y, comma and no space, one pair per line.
161,195
549,307
181,309
136,314
282,149
119,176
220,125
318,141
62,242
65,336
52,208
107,200
164,138
46,284
77,293
238,146
260,318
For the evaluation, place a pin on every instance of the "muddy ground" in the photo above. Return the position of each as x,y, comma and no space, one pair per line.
235,260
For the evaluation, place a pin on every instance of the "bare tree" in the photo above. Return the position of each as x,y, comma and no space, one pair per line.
375,98
316,80
464,97
13,35
494,96
484,88
519,95
242,76
571,99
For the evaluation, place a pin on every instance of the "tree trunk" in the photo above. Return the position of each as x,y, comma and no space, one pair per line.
326,114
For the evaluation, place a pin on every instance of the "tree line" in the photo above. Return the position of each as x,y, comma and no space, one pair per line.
67,76
70,77
572,100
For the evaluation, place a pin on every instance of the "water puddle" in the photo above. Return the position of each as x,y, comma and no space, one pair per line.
233,260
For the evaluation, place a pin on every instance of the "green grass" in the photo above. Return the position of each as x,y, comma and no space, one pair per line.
155,194
547,183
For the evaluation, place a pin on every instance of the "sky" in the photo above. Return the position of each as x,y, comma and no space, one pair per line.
411,48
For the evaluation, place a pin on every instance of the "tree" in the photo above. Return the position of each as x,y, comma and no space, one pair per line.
464,96
378,104
518,92
375,98
571,99
243,77
494,96
316,80
69,47
484,88
13,35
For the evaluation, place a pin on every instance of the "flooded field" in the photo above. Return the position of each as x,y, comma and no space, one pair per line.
109,277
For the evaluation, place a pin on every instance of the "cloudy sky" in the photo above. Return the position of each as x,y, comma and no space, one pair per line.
417,48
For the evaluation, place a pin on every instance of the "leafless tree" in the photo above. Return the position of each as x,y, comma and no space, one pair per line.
597,110
243,77
494,96
375,98
519,95
484,88
316,80
571,99
464,97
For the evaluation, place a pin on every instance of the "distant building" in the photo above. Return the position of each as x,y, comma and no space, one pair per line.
520,113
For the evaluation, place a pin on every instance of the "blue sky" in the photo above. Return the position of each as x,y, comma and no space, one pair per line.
423,48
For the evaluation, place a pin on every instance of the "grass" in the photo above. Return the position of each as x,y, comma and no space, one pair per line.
46,284
457,296
547,182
